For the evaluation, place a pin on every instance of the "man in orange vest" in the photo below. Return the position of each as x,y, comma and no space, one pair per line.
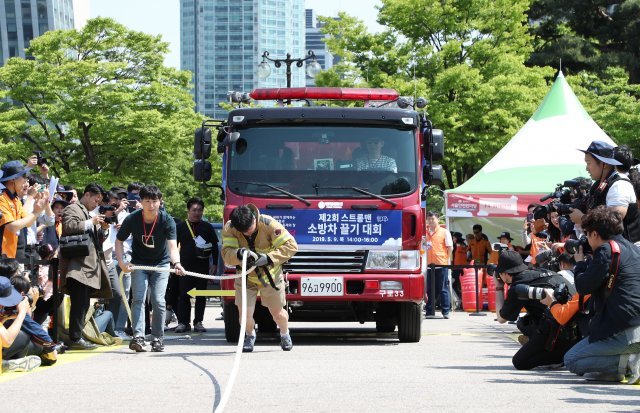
460,251
479,246
439,249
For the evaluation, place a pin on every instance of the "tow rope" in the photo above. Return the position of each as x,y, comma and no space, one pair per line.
243,316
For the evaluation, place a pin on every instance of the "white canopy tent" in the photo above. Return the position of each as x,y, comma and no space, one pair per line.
541,155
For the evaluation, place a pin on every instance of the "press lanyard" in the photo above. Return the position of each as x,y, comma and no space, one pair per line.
146,237
191,231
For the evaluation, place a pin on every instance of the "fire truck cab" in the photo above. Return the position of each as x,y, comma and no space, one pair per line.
348,184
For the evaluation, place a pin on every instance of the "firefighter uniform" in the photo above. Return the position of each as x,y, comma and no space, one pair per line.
270,238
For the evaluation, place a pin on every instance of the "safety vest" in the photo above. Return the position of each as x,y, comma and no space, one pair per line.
460,255
438,253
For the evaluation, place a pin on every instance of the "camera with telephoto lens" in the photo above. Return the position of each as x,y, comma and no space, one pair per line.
525,292
571,194
572,245
111,218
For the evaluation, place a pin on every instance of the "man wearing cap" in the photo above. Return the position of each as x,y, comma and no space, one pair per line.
538,325
609,187
14,217
19,305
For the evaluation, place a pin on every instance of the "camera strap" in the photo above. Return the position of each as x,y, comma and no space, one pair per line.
615,267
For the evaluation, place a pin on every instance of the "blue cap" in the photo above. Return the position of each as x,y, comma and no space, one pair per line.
12,170
9,296
602,151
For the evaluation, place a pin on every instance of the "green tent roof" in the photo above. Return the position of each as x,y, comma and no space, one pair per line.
545,150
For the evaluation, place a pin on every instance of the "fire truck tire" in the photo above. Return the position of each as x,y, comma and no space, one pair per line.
231,322
264,320
409,323
385,325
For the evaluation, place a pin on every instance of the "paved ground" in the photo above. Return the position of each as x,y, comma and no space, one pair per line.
461,364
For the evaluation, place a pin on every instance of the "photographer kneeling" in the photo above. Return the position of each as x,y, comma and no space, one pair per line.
612,277
546,345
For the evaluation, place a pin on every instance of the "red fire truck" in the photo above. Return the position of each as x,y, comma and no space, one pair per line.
348,183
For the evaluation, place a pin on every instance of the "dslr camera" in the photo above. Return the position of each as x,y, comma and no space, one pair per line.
41,160
109,214
526,292
572,245
572,193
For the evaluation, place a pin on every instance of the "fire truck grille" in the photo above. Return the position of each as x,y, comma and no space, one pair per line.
326,262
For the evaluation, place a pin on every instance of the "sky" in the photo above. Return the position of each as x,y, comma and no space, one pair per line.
162,16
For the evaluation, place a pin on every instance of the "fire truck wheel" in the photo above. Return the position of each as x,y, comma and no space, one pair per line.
231,322
385,325
264,320
409,323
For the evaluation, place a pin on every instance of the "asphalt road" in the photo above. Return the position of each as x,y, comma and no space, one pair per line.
461,364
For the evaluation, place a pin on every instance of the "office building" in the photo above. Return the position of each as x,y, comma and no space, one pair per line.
314,39
221,43
23,20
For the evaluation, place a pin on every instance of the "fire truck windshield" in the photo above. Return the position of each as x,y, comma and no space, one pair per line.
323,161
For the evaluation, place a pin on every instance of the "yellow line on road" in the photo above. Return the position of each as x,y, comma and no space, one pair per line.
63,359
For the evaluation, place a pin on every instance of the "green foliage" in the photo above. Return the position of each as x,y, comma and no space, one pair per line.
102,107
587,35
467,57
612,102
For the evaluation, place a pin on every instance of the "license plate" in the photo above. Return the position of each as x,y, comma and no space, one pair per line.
322,286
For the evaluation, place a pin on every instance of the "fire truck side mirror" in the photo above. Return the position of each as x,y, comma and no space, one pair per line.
432,174
437,145
231,138
202,143
202,170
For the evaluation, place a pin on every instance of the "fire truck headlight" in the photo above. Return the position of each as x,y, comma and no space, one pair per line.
393,260
382,260
409,260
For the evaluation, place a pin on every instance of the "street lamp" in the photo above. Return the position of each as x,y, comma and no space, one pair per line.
264,69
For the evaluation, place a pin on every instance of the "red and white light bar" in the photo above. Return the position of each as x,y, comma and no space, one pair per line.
329,93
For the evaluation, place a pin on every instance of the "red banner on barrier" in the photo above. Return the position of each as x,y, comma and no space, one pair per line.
490,205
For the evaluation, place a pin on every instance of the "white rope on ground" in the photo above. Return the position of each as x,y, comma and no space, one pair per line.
243,326
243,317
125,300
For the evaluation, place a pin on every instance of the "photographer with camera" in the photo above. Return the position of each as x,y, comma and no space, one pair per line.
83,271
14,216
544,345
111,209
198,243
16,346
612,277
610,188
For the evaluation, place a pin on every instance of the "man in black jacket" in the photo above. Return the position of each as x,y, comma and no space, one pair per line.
546,344
612,277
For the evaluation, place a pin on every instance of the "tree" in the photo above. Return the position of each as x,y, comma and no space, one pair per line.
466,57
102,107
612,102
587,35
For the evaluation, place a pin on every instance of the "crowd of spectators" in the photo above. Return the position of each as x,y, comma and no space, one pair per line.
75,237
